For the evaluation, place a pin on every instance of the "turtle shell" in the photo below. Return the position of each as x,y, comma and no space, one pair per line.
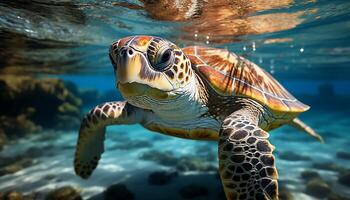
229,74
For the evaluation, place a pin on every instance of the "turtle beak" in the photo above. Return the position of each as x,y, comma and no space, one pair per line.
126,62
134,75
130,64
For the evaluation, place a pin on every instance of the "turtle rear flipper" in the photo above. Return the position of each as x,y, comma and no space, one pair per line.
246,162
298,124
92,133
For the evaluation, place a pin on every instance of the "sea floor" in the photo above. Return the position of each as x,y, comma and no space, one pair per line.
133,153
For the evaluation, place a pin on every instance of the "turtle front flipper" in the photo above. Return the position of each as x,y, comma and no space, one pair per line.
92,133
246,162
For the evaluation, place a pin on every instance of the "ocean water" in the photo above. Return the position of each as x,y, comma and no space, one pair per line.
305,45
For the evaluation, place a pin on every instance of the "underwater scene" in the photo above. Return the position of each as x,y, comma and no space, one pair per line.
61,58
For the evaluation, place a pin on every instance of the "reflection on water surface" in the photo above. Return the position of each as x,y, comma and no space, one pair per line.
69,36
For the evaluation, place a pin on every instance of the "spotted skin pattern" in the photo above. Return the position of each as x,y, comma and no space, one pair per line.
180,72
92,134
246,162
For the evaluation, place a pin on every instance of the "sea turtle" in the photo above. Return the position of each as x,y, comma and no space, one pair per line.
199,93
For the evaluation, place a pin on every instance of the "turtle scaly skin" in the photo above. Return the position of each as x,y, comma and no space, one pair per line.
197,93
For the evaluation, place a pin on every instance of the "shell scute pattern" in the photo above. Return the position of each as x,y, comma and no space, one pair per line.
230,74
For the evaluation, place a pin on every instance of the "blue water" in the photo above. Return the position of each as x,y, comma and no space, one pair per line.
305,45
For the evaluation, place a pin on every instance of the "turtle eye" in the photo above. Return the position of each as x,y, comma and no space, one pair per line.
166,56
163,59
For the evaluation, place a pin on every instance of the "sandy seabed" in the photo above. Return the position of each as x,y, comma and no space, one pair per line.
53,161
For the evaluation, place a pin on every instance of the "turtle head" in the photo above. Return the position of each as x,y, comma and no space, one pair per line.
150,67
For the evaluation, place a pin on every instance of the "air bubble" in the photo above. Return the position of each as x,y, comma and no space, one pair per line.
253,46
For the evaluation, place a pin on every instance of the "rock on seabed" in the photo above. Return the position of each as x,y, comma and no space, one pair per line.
64,193
118,191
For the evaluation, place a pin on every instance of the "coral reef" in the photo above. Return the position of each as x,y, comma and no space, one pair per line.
30,104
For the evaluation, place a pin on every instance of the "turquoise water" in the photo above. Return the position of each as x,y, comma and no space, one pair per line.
305,45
